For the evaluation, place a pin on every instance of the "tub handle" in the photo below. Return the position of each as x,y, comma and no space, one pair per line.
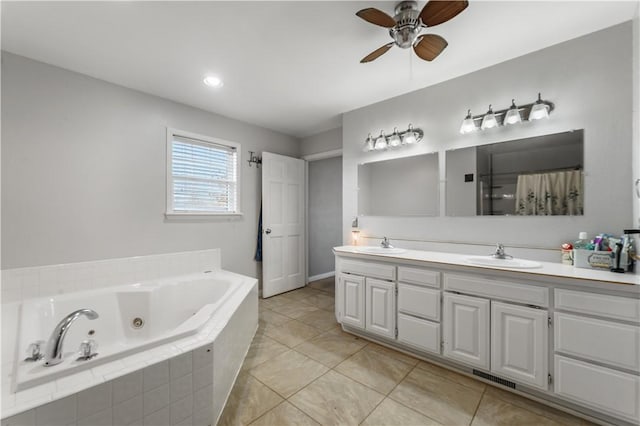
34,351
87,350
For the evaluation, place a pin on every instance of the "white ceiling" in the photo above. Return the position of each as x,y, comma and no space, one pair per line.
288,66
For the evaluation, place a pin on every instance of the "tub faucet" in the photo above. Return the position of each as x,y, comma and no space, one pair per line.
385,243
499,253
53,353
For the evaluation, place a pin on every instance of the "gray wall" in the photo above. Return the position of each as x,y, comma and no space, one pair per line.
636,113
83,171
325,213
589,93
322,142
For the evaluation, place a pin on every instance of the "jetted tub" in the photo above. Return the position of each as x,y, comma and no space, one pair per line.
132,318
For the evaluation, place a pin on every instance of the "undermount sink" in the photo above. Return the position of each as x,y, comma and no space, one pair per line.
503,263
380,250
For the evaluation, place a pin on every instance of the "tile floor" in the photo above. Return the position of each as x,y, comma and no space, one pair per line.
301,369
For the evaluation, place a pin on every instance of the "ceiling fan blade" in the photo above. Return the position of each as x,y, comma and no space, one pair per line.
376,53
436,12
429,46
376,17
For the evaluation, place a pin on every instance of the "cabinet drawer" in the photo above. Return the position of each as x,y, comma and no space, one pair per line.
419,276
369,269
599,388
494,289
603,341
615,307
419,333
419,301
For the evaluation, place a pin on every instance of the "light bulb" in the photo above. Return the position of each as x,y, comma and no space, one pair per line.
539,110
409,136
513,114
381,142
468,125
213,81
489,120
368,144
394,139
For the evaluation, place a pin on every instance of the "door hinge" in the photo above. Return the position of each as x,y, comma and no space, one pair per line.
441,346
549,322
396,332
396,289
550,379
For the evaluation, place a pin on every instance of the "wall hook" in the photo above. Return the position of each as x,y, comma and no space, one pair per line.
254,159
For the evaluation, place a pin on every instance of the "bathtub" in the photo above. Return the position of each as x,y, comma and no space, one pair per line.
132,319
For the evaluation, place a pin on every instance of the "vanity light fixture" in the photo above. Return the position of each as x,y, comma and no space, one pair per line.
395,140
368,144
381,142
489,120
468,125
539,110
513,115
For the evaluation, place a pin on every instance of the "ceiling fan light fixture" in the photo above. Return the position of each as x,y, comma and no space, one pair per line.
513,114
489,120
468,124
539,110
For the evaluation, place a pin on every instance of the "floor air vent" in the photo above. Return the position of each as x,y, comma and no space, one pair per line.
493,378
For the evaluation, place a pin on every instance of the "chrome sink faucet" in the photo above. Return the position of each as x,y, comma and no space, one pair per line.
385,243
53,353
499,253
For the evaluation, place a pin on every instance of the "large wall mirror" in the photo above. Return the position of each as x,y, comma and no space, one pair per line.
399,187
527,177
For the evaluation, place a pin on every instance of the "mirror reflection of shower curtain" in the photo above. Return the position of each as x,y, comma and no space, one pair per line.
554,193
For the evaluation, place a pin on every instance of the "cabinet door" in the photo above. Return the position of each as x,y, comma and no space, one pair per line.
519,343
381,307
466,329
352,298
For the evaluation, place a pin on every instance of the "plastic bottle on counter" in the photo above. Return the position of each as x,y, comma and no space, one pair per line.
583,242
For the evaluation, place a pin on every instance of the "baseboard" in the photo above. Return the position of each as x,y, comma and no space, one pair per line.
321,276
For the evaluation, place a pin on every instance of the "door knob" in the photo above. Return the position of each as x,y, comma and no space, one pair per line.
267,231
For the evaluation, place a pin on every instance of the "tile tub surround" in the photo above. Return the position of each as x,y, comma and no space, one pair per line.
41,281
349,381
229,329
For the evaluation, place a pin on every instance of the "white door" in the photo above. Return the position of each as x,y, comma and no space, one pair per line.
283,246
352,297
466,329
519,343
380,307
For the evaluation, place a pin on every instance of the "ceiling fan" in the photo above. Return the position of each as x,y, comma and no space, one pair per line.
408,22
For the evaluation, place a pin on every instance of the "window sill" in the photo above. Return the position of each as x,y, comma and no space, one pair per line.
182,215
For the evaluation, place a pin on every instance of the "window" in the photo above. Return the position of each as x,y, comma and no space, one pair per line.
202,175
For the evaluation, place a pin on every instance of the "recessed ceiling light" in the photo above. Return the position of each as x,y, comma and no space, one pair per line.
213,81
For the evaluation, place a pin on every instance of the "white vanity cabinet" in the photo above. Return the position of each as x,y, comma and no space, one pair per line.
419,308
366,296
553,336
466,329
597,352
380,307
519,343
351,296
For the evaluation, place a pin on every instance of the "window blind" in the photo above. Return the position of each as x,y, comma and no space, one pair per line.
204,176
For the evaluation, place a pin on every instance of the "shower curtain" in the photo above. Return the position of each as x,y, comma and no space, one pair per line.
554,193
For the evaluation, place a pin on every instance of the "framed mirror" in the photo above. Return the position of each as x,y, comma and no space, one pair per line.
399,187
539,176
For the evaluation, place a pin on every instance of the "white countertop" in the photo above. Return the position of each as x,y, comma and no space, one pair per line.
546,268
